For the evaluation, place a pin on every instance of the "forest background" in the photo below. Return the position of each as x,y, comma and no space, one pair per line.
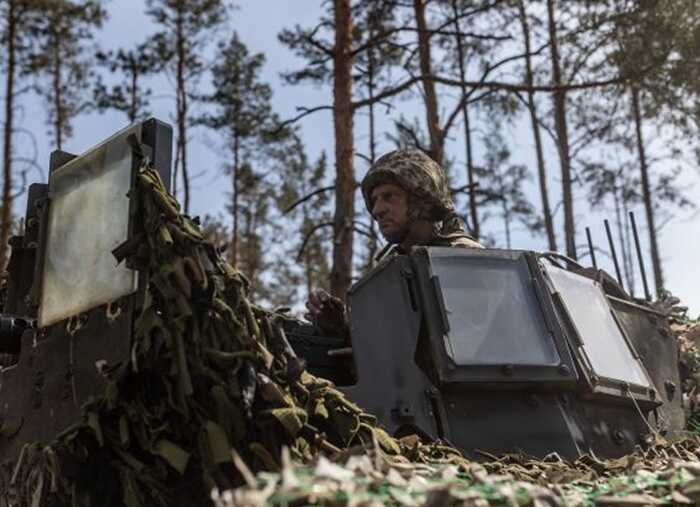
548,116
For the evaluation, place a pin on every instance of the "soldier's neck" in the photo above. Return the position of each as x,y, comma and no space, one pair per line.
420,233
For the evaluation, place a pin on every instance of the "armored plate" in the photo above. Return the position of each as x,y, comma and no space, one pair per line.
499,351
88,218
87,303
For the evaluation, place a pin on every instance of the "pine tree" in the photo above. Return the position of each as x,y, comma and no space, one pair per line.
432,113
186,28
332,60
241,114
536,130
254,234
61,60
18,20
647,46
372,73
562,131
128,96
502,187
306,221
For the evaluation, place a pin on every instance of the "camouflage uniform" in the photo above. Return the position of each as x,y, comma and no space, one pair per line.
429,194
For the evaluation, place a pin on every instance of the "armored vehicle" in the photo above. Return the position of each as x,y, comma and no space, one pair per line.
490,350
498,351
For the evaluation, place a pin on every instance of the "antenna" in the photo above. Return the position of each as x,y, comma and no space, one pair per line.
613,252
642,271
591,251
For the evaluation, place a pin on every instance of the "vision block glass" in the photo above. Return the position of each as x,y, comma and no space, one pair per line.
603,342
493,313
88,218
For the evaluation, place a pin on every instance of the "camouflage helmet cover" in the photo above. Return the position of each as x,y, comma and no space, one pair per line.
416,173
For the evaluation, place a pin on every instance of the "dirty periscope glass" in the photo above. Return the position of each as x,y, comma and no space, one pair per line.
603,342
493,313
88,218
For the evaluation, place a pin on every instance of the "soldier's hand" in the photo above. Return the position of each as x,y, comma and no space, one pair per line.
328,313
314,304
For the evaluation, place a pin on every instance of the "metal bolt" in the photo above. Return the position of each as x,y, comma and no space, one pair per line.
670,389
618,437
564,370
508,370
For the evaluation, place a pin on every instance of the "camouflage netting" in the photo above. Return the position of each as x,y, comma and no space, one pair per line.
666,474
213,398
211,377
689,338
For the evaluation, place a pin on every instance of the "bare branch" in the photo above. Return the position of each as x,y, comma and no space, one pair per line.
386,93
583,59
493,85
463,189
307,197
522,87
412,133
365,233
311,232
377,39
304,112
315,43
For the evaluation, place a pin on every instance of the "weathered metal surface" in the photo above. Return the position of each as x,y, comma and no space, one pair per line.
59,367
587,401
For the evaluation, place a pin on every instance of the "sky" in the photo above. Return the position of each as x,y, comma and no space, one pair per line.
258,23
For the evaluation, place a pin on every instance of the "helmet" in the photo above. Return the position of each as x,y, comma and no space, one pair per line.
417,174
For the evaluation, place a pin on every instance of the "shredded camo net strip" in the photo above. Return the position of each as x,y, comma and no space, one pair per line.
213,398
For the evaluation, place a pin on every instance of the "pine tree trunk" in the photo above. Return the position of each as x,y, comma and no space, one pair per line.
532,109
308,273
341,272
56,84
6,219
182,108
431,103
506,213
562,138
308,269
473,212
646,194
234,205
250,255
134,85
372,246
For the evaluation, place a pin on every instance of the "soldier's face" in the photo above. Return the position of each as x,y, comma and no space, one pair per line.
390,210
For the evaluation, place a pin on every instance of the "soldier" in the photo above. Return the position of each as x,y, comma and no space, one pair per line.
407,193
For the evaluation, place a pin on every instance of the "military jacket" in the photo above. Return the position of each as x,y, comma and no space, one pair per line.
456,239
